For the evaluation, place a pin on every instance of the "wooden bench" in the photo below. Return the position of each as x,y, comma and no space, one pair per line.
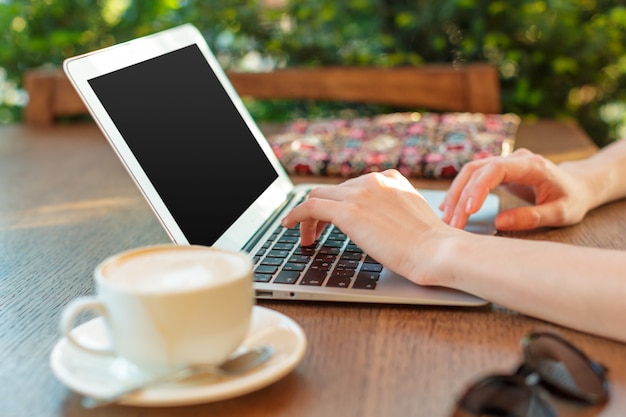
474,88
436,87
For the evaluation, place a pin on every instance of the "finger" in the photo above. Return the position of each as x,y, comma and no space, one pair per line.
469,171
457,185
521,168
310,231
312,214
522,218
315,213
477,187
460,183
530,217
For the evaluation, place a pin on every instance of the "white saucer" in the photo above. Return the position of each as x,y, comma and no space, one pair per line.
96,376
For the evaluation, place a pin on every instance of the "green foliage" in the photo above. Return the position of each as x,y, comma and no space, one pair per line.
557,58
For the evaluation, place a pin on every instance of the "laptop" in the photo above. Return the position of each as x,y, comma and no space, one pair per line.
184,135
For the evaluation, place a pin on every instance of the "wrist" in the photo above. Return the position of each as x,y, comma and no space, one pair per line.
593,181
602,173
440,263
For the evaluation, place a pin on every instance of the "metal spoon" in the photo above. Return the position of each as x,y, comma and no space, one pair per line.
237,364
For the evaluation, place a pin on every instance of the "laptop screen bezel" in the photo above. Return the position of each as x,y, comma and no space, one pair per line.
82,68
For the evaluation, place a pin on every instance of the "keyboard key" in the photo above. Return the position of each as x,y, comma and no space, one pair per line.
325,257
353,248
372,267
283,246
305,250
272,261
262,277
338,281
343,272
320,265
278,253
284,260
347,263
266,269
365,282
287,277
291,266
352,255
369,275
289,239
329,250
292,232
334,243
301,259
313,277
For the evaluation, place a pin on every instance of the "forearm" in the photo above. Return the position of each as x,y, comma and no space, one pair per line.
603,173
579,287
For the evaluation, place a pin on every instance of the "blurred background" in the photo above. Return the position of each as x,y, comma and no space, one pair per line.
557,59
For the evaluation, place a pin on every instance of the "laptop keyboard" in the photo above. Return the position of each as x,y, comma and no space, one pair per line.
333,261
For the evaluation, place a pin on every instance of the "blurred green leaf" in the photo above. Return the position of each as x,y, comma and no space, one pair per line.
549,52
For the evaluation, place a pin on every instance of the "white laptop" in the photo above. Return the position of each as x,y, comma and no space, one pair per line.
211,177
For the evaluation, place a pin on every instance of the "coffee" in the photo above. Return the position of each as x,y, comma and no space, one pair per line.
169,306
167,269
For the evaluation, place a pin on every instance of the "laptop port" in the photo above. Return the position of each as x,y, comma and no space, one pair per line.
264,293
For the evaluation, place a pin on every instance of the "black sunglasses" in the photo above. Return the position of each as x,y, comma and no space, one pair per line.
550,361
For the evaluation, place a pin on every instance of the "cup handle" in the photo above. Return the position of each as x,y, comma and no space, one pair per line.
68,319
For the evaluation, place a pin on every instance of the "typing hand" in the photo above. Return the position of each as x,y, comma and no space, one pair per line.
384,215
560,198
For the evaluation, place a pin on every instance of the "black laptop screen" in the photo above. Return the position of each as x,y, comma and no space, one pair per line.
189,138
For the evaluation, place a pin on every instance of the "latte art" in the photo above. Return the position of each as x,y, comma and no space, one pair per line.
169,269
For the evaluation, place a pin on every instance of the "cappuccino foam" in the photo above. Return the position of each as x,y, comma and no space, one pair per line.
173,269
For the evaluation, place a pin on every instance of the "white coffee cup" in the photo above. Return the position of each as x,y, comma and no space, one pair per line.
168,306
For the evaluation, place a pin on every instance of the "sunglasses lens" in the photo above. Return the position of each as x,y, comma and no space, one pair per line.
565,368
503,396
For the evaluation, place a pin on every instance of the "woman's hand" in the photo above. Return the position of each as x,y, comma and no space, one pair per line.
384,215
559,195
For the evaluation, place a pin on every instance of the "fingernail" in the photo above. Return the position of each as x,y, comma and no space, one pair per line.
453,221
469,205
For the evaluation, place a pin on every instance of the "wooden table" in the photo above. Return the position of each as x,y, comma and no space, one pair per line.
66,203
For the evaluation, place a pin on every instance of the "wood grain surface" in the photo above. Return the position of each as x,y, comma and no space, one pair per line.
66,203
